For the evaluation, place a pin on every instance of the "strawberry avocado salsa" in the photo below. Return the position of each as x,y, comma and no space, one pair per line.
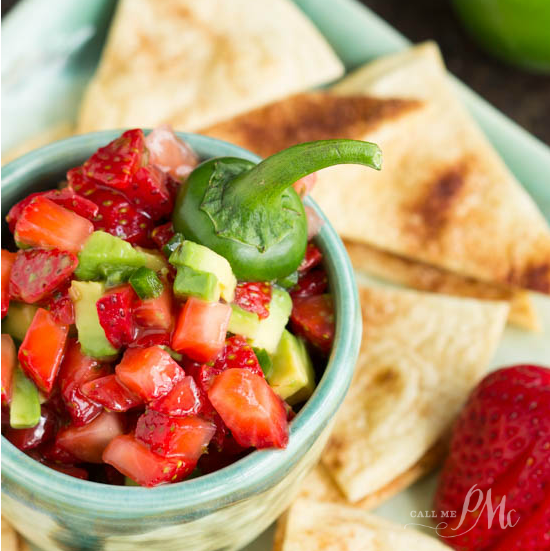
161,318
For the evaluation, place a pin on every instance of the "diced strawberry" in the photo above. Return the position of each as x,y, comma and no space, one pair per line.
116,164
313,319
500,442
237,353
135,460
221,456
149,192
117,215
27,439
254,296
38,272
250,408
8,260
185,398
148,338
162,234
183,437
42,349
65,197
155,312
69,470
169,153
312,258
148,372
201,329
53,453
111,394
9,358
61,306
304,185
309,284
87,443
114,310
46,224
76,370
204,374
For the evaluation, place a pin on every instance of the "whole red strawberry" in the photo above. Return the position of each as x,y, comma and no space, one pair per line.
500,455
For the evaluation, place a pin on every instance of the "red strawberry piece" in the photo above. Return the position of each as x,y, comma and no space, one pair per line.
8,260
170,154
150,338
61,306
254,296
185,398
501,443
69,470
116,164
184,437
148,372
135,460
155,313
250,408
88,442
222,456
237,353
76,370
111,394
311,283
65,197
312,258
149,192
9,360
48,225
162,234
313,319
204,374
42,349
117,215
27,439
114,310
37,272
53,453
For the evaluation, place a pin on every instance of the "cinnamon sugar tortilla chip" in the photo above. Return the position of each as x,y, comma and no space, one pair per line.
424,277
421,354
192,63
312,526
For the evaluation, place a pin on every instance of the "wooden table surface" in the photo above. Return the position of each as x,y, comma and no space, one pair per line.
522,96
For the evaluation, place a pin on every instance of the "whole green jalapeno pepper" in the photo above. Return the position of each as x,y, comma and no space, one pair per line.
250,214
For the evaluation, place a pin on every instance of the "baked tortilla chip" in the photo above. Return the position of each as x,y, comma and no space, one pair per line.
11,540
403,271
421,354
311,526
444,196
191,63
319,485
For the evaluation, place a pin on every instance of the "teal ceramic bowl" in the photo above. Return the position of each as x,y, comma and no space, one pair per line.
223,510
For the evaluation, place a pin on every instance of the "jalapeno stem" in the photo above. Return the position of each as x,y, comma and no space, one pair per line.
267,180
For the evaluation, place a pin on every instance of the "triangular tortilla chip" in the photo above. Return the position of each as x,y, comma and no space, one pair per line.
443,196
403,271
192,63
311,526
11,540
421,354
319,485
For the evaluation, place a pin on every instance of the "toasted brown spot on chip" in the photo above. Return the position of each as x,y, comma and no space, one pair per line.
536,277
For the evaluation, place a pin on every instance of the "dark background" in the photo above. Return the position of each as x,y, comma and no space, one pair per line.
522,96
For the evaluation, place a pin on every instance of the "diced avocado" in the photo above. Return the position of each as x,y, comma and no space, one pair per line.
114,276
154,260
146,283
129,482
25,403
271,328
243,322
193,283
175,241
289,281
104,252
18,319
203,259
292,376
93,341
265,361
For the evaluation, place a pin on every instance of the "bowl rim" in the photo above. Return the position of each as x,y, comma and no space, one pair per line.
260,469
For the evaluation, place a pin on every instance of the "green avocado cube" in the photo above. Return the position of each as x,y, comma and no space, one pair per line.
25,402
193,283
292,376
265,361
243,322
18,319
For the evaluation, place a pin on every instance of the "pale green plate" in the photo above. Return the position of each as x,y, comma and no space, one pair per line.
43,77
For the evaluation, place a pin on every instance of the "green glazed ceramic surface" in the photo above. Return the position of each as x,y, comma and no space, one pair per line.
225,509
